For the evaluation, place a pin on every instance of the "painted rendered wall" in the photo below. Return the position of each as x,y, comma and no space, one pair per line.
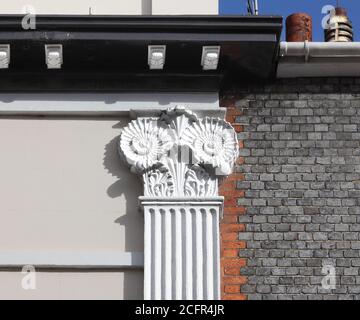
74,285
185,7
126,7
75,7
64,188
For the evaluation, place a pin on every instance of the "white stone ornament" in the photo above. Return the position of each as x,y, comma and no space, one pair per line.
54,56
158,183
181,146
4,56
213,142
144,144
156,57
210,57
180,158
199,183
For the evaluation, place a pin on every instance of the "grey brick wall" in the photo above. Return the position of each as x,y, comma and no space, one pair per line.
302,187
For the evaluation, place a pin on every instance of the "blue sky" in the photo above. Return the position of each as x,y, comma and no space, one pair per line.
287,7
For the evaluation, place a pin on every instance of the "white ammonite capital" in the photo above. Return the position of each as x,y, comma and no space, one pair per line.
144,144
213,142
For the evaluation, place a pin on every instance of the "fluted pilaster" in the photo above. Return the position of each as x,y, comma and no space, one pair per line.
182,253
180,158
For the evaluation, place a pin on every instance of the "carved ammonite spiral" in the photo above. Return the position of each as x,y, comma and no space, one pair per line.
213,142
144,144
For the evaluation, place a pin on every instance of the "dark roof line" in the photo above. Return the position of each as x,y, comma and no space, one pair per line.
111,22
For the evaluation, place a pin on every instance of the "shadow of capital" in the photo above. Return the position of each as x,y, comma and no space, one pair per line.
127,186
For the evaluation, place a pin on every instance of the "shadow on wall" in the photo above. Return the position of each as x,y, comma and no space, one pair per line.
129,186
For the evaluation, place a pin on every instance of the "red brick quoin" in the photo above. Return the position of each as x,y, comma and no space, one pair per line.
231,263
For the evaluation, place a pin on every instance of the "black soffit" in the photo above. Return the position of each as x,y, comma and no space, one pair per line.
110,53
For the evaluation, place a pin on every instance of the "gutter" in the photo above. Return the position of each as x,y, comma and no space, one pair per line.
319,59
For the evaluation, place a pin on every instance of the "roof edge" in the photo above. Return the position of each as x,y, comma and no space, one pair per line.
318,59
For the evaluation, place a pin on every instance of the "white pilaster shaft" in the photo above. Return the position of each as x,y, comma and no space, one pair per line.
182,259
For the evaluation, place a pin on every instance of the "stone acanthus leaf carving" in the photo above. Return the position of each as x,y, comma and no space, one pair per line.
178,154
178,120
177,170
158,183
199,183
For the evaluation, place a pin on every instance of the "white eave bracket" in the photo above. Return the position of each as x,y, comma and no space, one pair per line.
210,58
54,56
4,56
156,57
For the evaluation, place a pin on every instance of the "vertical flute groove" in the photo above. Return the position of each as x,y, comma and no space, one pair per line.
178,252
158,255
147,255
189,256
216,231
210,257
168,263
199,255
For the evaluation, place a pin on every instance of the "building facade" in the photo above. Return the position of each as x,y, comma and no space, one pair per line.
152,150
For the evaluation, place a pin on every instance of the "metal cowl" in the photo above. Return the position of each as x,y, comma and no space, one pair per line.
299,27
339,27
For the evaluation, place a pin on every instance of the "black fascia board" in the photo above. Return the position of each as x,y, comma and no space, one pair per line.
232,23
109,53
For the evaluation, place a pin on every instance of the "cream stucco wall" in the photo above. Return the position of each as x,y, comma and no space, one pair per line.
75,7
63,188
120,7
176,7
74,285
